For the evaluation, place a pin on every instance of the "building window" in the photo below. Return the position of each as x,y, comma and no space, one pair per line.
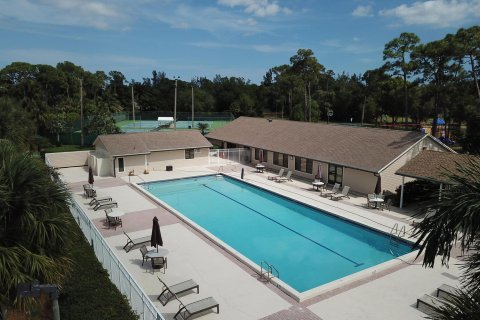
189,153
121,165
309,166
303,165
285,161
276,158
298,163
257,153
335,174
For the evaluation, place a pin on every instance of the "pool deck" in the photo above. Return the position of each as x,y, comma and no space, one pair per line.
386,293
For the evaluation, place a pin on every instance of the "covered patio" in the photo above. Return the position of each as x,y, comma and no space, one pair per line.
434,167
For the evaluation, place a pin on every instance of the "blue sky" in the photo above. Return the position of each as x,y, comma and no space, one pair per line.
241,38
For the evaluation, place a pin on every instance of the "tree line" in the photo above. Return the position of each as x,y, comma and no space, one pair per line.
418,82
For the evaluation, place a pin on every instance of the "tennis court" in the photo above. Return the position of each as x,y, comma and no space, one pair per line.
150,125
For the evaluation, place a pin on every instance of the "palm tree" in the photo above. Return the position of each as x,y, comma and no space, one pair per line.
34,225
457,220
202,126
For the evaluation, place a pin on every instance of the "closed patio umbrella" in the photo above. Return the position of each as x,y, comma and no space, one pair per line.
378,186
156,238
90,176
318,176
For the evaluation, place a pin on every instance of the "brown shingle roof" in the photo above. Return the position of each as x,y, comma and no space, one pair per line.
368,149
146,142
433,165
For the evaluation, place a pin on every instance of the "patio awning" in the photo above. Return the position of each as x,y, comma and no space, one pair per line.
433,166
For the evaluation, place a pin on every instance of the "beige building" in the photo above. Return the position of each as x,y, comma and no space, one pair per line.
352,156
121,154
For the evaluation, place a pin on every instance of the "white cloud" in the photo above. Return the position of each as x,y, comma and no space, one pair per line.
259,8
82,13
263,48
363,11
355,47
436,13
208,19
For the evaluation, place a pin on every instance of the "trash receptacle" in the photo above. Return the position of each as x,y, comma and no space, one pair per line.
169,168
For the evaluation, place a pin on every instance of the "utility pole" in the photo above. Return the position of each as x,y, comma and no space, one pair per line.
81,113
363,108
193,104
175,105
133,108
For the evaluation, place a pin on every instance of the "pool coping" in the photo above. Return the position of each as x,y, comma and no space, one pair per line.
284,287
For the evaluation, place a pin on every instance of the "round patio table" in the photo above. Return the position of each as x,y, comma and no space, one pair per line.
317,184
116,214
377,201
162,252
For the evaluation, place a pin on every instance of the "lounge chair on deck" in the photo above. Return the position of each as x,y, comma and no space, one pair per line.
97,200
186,311
169,292
135,242
343,194
286,178
106,205
427,303
446,292
334,190
279,175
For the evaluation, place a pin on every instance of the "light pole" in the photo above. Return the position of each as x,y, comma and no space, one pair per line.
133,107
81,113
192,108
175,105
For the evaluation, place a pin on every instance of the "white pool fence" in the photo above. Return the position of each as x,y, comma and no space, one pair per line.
139,300
229,156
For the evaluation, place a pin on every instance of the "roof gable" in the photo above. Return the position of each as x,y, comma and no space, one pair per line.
147,142
434,165
364,148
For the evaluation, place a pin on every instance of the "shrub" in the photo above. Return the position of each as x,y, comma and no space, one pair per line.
89,293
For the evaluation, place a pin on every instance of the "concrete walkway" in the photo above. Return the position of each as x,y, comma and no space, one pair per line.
386,293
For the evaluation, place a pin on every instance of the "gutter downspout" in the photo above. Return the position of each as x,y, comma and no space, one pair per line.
114,169
401,192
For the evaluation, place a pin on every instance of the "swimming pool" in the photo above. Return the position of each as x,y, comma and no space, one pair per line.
308,247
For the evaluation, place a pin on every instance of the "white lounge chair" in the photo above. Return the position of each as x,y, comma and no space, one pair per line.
286,178
343,194
279,175
169,292
97,200
135,242
106,205
186,311
428,303
446,292
334,190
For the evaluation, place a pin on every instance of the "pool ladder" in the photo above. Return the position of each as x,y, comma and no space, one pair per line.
396,232
268,271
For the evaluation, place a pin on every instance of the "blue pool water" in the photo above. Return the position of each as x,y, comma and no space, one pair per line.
307,246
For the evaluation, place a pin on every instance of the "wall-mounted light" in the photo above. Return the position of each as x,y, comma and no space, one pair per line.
291,157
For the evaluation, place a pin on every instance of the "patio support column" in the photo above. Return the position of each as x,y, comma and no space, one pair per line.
440,192
401,192
146,163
